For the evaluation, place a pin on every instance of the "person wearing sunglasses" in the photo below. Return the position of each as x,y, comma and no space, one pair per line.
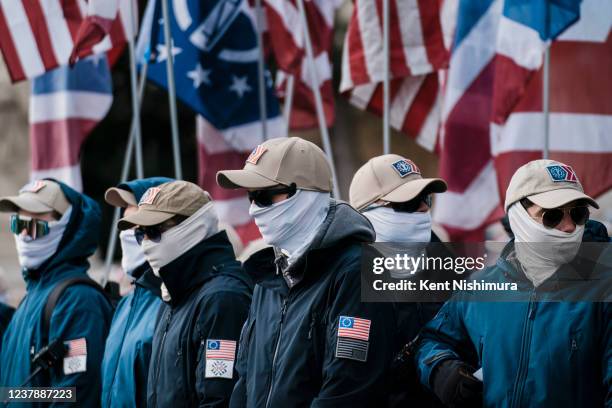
532,352
127,354
56,230
309,340
206,296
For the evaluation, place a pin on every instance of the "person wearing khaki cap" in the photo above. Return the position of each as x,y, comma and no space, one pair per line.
307,297
206,296
530,350
56,230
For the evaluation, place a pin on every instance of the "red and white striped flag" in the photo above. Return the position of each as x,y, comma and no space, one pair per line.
417,52
287,44
39,35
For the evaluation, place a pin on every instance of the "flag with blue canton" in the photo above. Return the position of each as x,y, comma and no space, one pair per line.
215,53
353,338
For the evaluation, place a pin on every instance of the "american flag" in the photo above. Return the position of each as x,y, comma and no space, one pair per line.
221,349
65,105
417,52
354,327
77,347
287,44
39,35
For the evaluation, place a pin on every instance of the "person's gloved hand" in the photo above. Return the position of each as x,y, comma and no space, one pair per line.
455,386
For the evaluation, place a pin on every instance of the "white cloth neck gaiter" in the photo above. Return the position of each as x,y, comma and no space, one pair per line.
180,239
292,224
132,255
33,252
392,226
540,250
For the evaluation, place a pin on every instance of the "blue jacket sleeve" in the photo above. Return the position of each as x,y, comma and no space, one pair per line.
238,399
221,318
607,353
81,313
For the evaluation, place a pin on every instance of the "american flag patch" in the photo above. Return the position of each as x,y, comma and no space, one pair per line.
220,356
149,196
354,328
562,173
353,336
76,347
33,187
256,154
405,167
75,360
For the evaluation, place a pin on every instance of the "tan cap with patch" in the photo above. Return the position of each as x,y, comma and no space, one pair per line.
547,183
39,196
159,204
391,178
281,161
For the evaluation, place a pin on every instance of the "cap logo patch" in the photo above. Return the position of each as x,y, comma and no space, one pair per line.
149,196
560,173
33,187
405,167
256,154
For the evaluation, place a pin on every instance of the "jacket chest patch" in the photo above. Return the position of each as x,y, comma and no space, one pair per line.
220,358
353,338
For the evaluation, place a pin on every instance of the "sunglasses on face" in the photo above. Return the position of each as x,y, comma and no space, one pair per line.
153,233
265,198
551,218
412,205
34,228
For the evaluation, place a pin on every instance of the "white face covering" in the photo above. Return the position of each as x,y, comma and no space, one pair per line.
392,226
180,239
33,252
292,224
132,255
540,250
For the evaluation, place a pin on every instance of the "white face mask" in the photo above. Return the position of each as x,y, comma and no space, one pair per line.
33,252
540,250
393,226
292,224
132,255
181,238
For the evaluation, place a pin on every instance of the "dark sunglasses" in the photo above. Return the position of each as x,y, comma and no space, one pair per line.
153,232
34,228
551,218
264,198
412,205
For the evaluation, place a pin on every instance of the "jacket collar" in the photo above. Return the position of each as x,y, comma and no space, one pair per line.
145,278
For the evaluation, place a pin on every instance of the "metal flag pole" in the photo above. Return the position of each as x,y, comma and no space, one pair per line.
546,101
288,99
386,90
135,102
125,169
176,147
261,80
314,76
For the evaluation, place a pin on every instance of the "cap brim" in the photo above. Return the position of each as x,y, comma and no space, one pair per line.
560,197
233,179
119,197
16,203
143,217
410,190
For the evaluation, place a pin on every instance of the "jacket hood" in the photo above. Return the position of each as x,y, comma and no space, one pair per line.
139,186
80,238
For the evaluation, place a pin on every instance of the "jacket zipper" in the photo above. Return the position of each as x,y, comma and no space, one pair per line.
276,347
159,354
525,349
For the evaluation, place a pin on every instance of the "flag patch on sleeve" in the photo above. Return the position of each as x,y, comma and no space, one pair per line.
75,360
353,338
220,357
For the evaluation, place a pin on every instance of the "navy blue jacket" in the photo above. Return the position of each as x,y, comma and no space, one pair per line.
288,350
533,353
210,297
125,366
6,313
82,312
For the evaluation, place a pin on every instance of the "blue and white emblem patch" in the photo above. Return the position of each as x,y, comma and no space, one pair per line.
562,173
405,167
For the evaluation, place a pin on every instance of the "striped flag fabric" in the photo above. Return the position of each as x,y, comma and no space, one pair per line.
221,349
417,52
39,35
287,44
65,105
354,327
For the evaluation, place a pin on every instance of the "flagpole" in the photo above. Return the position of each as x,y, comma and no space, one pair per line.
288,99
261,80
546,102
125,169
176,148
136,111
314,76
386,90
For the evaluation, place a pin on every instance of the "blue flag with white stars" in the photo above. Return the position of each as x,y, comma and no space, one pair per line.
215,60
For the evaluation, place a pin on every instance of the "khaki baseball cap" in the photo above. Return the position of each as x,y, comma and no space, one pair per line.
281,161
119,197
391,178
39,196
159,204
546,183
